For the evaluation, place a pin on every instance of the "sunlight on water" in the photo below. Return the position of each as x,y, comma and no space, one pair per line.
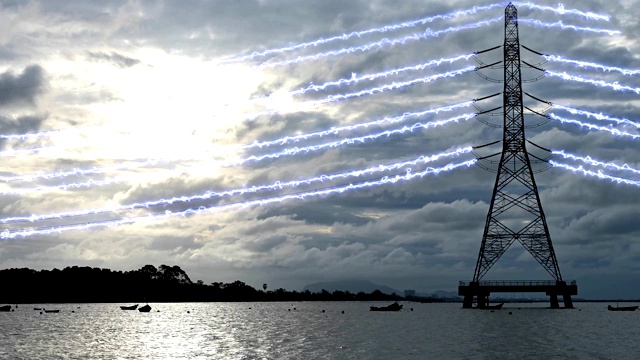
303,331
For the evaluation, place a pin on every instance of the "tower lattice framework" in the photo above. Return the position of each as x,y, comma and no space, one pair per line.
515,213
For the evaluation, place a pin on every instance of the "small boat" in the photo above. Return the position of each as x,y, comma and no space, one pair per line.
38,309
493,307
52,311
5,308
145,308
393,307
132,307
622,308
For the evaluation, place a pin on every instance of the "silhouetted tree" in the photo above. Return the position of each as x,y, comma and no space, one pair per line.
173,274
167,283
149,271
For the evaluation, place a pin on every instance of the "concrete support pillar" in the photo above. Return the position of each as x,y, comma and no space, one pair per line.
568,303
467,302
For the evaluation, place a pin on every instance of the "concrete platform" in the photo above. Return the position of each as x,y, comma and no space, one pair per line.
481,290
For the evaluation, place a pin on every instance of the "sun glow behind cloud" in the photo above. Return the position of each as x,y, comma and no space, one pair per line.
153,109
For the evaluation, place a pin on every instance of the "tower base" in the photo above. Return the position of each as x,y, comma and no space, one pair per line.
480,291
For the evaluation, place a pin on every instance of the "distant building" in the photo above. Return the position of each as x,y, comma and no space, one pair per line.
409,293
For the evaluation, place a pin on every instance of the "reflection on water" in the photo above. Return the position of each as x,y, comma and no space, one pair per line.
303,331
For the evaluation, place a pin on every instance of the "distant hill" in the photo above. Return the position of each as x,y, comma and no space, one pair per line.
353,286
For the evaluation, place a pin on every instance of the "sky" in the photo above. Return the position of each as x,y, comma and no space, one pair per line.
189,133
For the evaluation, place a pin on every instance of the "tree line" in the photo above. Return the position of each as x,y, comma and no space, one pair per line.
76,284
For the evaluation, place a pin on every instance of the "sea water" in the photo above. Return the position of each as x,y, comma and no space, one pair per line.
318,330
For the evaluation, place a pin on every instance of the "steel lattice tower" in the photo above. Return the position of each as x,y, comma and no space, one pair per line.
515,212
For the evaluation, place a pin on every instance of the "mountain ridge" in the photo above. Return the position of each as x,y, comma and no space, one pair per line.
352,286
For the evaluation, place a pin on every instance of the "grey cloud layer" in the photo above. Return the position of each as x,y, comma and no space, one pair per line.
426,229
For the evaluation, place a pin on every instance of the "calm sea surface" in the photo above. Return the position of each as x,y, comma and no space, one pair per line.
277,331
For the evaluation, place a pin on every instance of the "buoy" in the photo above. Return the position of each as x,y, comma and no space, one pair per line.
188,312
509,312
343,311
323,311
411,309
289,309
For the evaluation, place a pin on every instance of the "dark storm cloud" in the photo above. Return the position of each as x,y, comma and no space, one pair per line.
264,243
324,213
21,125
173,244
174,187
285,125
23,86
237,26
116,59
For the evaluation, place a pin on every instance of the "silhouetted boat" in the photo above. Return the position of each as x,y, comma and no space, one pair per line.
5,308
393,307
145,308
622,308
37,308
52,311
492,307
132,307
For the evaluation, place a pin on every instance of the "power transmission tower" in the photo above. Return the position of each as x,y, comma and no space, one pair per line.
515,213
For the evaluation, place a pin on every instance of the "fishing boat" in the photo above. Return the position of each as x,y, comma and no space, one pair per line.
393,307
622,308
52,311
132,307
5,308
492,307
145,308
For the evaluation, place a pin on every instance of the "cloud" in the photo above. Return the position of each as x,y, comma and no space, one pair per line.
188,111
21,87
21,125
116,59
